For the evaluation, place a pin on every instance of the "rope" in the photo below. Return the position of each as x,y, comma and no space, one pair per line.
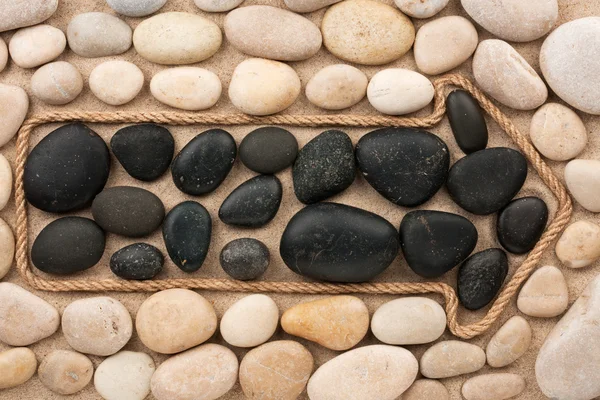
441,85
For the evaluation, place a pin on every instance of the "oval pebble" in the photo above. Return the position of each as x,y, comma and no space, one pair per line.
579,244
17,366
336,87
545,294
57,83
509,343
250,321
521,224
65,372
268,150
583,180
37,45
125,375
451,358
493,387
116,82
217,5
467,121
136,8
138,261
306,6
97,34
6,182
13,110
15,14
480,278
557,132
398,91
3,55
186,88
421,8
245,259
7,248
426,389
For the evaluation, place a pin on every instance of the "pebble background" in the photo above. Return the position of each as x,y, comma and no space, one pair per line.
360,194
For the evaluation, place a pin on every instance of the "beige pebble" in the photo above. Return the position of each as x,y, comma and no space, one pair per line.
444,44
97,325
250,321
579,244
3,55
18,14
37,45
336,322
336,87
451,358
174,320
263,87
97,34
545,294
7,248
125,375
217,5
426,389
421,8
187,88
176,38
493,387
17,366
26,318
583,180
57,83
398,91
510,342
14,105
557,132
367,32
65,372
276,371
6,184
305,6
409,320
210,370
116,82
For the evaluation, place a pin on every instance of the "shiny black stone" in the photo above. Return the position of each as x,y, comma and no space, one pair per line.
521,224
138,261
467,121
480,278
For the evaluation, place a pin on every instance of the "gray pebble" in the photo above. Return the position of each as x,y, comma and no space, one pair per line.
245,259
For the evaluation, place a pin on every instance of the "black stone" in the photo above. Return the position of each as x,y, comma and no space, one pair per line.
145,150
521,224
480,278
139,261
467,121
245,259
66,169
186,232
487,180
268,150
68,245
338,243
128,211
406,166
204,163
434,242
324,167
254,203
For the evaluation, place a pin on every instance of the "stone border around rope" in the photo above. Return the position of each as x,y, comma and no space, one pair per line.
441,85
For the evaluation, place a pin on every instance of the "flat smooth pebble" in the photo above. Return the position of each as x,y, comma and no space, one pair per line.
579,244
336,87
493,387
14,105
480,278
65,372
268,150
97,34
17,366
451,358
426,389
583,180
217,5
138,261
250,321
252,204
510,342
557,132
421,8
116,82
186,88
125,375
467,121
245,259
3,55
18,14
37,45
399,91
306,6
545,294
57,83
136,8
6,181
521,224
7,248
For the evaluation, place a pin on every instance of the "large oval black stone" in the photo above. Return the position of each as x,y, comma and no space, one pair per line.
128,211
521,224
406,166
324,167
467,121
268,150
204,163
66,169
138,261
186,231
68,245
480,278
434,242
144,150
338,243
254,203
487,180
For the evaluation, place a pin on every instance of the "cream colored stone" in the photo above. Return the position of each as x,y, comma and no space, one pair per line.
263,87
97,34
14,105
336,87
217,5
305,6
493,387
250,321
451,358
507,77
398,91
545,294
116,82
208,371
367,32
174,320
125,375
20,13
583,180
557,132
409,320
7,248
276,371
510,342
336,322
65,372
37,45
421,8
187,88
57,83
6,184
97,325
17,366
176,38
426,389
579,245
26,318
3,55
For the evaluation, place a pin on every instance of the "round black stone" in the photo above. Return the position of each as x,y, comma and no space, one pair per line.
485,181
68,245
139,261
254,203
406,166
66,169
145,150
324,167
245,259
338,243
521,224
268,150
204,163
434,242
186,231
480,278
467,121
128,211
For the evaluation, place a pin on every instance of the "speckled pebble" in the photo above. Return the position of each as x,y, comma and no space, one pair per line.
97,34
17,14
35,46
57,83
65,372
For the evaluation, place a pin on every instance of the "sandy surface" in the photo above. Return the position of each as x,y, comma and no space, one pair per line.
360,194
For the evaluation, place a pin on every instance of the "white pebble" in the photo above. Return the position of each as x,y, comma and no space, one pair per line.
398,91
3,55
116,82
583,180
336,87
14,105
187,88
217,5
545,294
510,342
250,321
37,45
421,8
7,248
125,375
6,184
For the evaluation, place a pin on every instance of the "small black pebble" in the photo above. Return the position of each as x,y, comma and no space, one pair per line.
467,121
245,259
268,150
480,278
521,224
139,261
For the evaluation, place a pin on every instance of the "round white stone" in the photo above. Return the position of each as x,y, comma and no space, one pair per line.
37,45
579,245
421,8
187,88
557,132
545,294
336,87
116,82
251,321
6,183
510,342
57,83
125,375
583,180
14,105
136,8
97,34
398,91
3,55
7,248
217,5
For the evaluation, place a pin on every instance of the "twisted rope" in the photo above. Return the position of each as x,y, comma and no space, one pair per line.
441,85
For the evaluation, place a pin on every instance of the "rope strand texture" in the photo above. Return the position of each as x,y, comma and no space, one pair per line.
441,85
